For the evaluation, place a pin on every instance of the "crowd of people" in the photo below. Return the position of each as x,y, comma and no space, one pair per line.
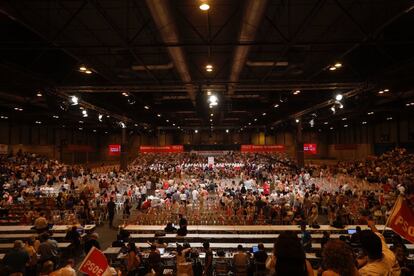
236,188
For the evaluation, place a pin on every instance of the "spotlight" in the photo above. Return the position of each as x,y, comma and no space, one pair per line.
208,93
83,68
297,120
167,121
211,114
209,68
389,118
364,122
84,113
204,6
332,68
173,124
312,123
146,107
158,115
195,131
100,117
74,100
344,119
122,124
227,131
38,122
331,128
80,122
276,106
213,99
345,125
341,106
339,97
255,119
94,130
125,94
264,114
333,109
39,94
325,123
296,92
371,113
88,72
338,65
56,116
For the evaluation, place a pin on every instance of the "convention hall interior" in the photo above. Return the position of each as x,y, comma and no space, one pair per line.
206,137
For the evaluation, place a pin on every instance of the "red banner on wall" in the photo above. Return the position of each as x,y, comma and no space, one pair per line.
402,219
79,148
309,148
114,150
257,148
165,149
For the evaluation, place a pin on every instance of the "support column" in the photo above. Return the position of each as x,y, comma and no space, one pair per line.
299,145
124,152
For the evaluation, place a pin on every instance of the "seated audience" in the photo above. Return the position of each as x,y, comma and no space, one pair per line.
338,259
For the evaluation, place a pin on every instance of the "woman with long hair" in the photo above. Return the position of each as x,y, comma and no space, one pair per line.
289,257
133,260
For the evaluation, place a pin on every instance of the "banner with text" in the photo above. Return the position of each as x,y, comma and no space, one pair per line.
164,149
401,220
114,150
258,148
309,148
95,263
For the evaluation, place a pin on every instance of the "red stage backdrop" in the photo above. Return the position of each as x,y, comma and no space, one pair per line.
256,148
309,148
164,149
114,150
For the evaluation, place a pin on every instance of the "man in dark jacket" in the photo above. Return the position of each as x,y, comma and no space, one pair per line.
111,211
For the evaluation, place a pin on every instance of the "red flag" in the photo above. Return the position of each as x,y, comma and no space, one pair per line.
401,219
95,263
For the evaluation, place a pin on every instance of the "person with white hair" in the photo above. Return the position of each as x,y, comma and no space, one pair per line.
92,242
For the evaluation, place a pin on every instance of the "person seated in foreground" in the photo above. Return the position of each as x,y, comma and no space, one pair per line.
16,259
379,259
260,258
240,261
289,257
338,259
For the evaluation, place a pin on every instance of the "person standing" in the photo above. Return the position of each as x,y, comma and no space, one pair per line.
208,262
111,211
